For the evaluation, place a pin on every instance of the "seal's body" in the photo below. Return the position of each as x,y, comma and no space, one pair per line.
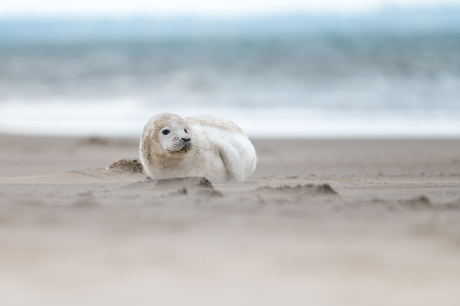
172,146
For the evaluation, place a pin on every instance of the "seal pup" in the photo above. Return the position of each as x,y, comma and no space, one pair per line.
206,146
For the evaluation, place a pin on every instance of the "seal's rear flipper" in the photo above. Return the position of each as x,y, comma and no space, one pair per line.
232,161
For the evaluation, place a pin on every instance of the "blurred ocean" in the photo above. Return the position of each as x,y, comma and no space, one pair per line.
385,74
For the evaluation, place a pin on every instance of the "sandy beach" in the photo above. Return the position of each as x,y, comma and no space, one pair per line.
320,222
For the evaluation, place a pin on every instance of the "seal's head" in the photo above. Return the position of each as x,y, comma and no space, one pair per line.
167,134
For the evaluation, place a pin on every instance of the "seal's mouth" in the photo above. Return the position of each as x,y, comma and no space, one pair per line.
187,146
182,148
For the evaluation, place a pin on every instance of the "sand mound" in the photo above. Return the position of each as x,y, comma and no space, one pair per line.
299,190
178,186
127,165
199,182
417,203
450,205
97,141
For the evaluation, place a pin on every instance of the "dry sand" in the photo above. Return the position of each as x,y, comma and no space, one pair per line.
321,222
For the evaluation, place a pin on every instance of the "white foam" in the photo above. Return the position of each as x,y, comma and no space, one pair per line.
127,118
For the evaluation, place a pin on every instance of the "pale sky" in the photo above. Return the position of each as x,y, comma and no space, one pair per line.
198,7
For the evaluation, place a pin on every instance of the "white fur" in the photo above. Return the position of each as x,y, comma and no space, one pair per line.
218,149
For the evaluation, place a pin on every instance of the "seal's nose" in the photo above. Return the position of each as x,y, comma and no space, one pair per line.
186,139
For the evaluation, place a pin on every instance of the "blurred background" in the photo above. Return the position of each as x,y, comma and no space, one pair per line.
279,68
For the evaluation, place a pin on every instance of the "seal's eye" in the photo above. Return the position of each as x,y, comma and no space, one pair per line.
185,130
165,132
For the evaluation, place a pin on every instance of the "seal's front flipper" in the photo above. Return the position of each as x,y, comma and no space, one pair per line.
232,161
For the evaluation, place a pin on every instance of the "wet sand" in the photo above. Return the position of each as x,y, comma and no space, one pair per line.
321,222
